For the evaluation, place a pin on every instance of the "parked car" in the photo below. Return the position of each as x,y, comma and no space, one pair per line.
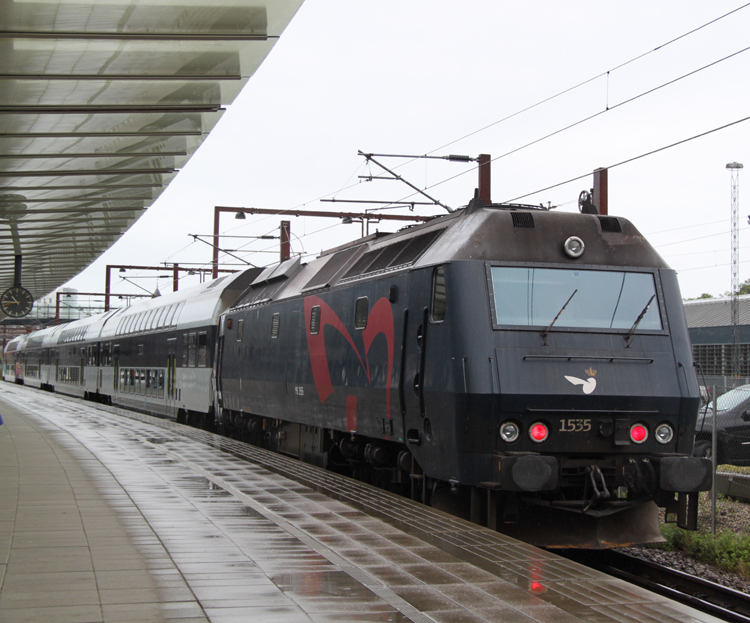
732,428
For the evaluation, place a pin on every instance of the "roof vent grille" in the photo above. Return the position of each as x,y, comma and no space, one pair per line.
610,224
522,219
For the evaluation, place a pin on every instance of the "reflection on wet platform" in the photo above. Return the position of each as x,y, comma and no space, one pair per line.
111,525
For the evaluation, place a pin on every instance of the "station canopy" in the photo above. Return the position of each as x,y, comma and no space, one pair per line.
101,103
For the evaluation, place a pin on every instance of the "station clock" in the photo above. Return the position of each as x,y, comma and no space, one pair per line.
16,302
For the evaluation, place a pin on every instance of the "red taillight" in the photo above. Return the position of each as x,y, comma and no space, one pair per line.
638,433
538,432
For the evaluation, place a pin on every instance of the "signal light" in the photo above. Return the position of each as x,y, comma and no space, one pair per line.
538,432
638,433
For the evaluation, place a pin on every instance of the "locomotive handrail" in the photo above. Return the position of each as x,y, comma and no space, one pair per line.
590,358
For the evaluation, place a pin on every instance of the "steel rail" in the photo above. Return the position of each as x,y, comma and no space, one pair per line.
720,601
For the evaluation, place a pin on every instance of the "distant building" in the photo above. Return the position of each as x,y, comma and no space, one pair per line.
710,326
46,306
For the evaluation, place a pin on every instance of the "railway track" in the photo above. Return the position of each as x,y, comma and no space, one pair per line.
720,601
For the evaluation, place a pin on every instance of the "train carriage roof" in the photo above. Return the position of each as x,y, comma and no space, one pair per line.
193,307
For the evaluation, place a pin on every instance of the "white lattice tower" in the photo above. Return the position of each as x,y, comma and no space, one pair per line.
734,169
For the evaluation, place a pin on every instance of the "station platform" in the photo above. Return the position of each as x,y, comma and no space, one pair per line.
108,515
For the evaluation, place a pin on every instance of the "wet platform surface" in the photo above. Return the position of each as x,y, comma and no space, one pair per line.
111,518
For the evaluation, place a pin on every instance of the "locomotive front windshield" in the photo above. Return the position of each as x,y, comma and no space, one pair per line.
596,299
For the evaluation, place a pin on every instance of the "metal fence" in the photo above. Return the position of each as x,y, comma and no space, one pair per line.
723,434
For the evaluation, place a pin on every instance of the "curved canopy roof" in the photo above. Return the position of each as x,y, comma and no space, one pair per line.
101,103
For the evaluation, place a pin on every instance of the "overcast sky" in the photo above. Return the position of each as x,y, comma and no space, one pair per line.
420,77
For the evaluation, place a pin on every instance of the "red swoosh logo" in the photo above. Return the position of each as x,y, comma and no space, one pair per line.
379,320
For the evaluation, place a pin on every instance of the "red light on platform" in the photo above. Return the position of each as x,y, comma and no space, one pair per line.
638,433
537,587
538,432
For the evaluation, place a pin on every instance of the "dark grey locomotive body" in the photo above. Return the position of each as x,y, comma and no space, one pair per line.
474,364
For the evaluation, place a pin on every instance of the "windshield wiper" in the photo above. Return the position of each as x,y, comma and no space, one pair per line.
631,333
546,333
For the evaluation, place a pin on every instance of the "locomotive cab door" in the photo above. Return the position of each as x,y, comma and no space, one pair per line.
415,338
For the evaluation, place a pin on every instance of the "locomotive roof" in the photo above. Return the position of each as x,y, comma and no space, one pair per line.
498,233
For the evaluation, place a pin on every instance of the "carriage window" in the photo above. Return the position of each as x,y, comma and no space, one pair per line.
169,315
202,349
360,313
275,322
184,350
315,320
140,349
155,318
438,307
240,329
191,350
175,316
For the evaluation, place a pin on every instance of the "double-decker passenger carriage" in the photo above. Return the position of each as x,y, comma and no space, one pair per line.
155,356
527,368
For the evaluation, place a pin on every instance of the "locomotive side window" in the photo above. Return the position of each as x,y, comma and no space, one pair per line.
360,313
275,322
240,329
315,320
438,307
596,299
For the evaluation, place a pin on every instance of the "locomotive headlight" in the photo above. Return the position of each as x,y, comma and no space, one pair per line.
574,246
638,433
538,432
509,432
664,433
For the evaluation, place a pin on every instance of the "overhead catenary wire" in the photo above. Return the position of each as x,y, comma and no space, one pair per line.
723,233
633,159
592,79
589,118
672,229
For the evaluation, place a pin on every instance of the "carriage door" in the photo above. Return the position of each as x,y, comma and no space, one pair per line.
116,367
171,389
99,358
